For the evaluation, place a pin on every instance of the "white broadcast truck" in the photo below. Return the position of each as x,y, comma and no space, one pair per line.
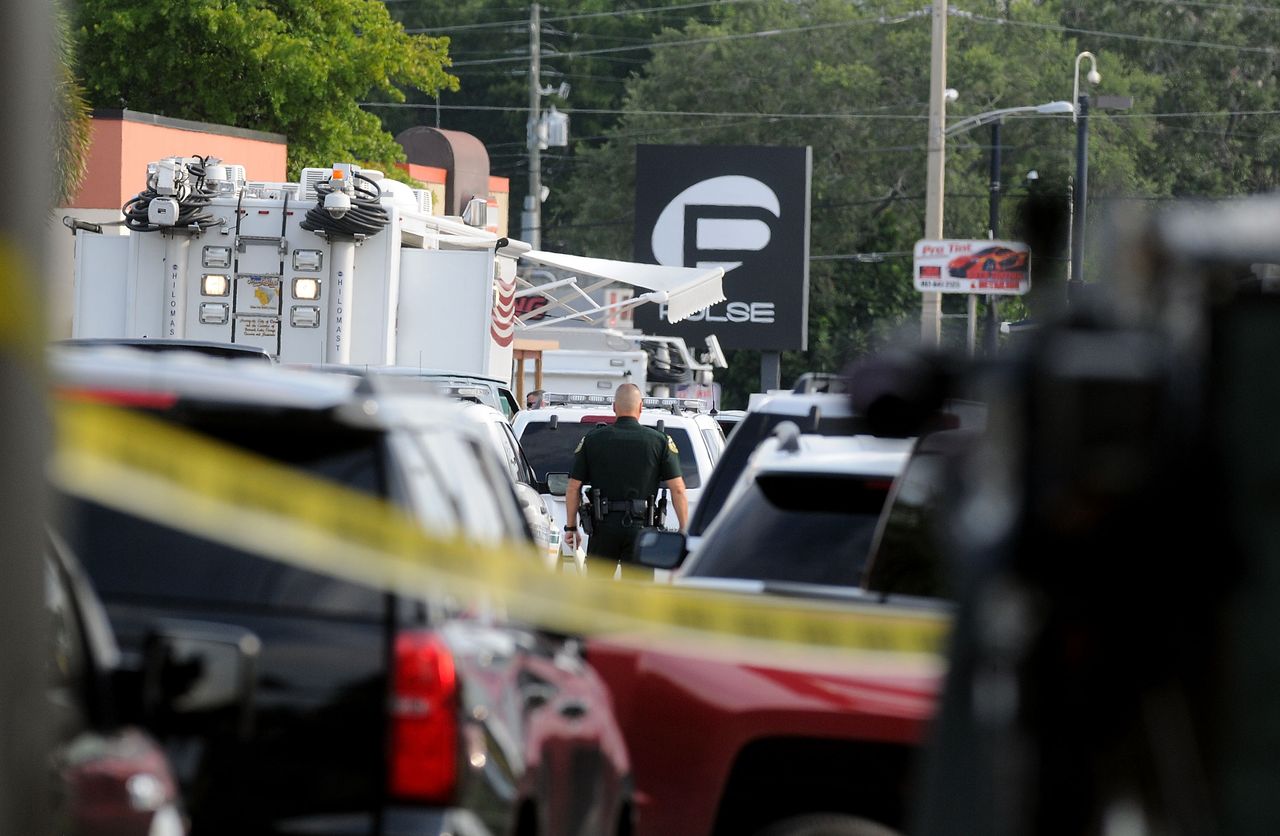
342,267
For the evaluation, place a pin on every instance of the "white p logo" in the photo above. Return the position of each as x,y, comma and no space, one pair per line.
718,222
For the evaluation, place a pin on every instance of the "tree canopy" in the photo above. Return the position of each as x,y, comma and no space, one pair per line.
296,67
593,46
849,78
852,83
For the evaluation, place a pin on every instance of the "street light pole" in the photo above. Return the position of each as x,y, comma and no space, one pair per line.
1081,189
993,227
1081,193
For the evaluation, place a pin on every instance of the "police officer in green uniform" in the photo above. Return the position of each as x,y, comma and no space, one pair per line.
625,463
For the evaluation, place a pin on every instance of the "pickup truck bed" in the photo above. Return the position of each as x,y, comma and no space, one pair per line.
727,740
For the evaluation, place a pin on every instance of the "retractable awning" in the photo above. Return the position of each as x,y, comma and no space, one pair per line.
685,290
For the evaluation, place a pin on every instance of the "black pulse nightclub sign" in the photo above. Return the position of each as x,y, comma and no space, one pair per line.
741,207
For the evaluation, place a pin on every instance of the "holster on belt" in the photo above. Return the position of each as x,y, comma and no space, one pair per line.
589,512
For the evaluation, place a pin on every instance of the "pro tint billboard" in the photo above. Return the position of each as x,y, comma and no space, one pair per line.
745,208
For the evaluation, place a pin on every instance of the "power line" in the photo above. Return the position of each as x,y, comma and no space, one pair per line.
698,113
1197,114
625,12
1234,7
765,33
583,16
755,117
1050,27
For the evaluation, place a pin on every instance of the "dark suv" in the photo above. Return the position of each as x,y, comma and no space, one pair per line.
360,710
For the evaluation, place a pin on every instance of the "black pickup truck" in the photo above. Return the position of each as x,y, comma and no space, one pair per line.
308,704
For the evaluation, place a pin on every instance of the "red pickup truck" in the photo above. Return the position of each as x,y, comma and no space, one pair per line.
732,740
726,741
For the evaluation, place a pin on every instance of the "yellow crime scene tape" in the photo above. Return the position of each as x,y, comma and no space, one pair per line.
22,315
152,469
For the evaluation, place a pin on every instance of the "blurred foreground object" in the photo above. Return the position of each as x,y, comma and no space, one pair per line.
1114,668
26,96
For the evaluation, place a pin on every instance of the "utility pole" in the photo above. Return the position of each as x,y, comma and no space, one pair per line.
931,302
26,68
1081,196
531,217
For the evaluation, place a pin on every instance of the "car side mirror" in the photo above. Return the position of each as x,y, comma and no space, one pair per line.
659,549
558,484
196,676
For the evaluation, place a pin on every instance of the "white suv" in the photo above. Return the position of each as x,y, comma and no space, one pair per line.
803,512
550,434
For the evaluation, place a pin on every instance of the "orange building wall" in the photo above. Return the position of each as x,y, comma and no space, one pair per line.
500,192
123,142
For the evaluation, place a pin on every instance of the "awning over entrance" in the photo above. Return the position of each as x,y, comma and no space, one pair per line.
684,290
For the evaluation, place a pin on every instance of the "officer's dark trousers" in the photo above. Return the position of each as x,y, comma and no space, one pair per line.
611,540
614,546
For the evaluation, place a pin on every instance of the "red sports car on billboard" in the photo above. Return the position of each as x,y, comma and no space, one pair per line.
987,260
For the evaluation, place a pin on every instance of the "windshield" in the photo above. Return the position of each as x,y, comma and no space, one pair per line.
805,528
753,429
551,451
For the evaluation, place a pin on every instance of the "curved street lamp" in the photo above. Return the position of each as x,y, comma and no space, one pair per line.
1093,77
1047,109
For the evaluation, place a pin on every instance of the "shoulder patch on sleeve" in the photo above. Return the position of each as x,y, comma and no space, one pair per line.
671,445
581,442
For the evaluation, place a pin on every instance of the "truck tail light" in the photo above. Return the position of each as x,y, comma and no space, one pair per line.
423,749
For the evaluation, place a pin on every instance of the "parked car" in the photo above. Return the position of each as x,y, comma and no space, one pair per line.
359,710
729,419
489,391
787,745
551,434
535,497
821,413
812,382
476,402
111,779
803,512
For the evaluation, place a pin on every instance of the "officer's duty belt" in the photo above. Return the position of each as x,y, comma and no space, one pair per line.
635,507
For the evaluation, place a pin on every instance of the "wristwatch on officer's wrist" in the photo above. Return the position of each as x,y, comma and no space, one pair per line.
570,528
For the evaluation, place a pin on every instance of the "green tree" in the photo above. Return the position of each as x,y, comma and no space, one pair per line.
297,67
491,48
1216,129
852,82
72,123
